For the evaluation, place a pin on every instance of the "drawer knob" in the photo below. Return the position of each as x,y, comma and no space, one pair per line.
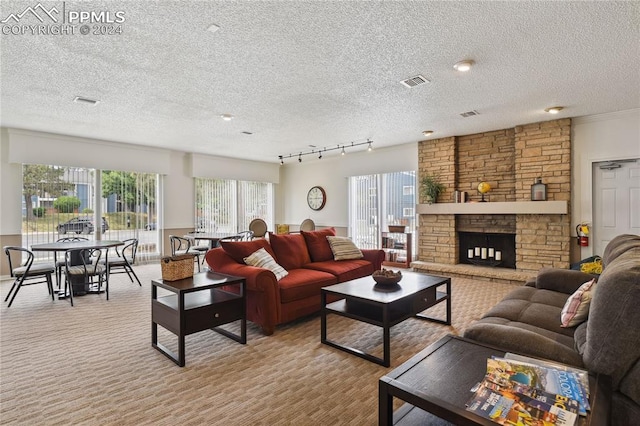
217,315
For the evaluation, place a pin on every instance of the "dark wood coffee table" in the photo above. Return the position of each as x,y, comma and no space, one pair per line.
362,300
436,384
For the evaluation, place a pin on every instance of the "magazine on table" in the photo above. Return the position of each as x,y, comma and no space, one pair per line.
512,408
581,373
561,382
540,395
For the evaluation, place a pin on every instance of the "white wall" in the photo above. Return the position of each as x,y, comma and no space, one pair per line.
331,173
604,137
176,169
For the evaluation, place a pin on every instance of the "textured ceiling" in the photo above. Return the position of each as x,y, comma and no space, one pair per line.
306,73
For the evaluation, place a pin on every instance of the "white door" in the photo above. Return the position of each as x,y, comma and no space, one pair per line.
616,201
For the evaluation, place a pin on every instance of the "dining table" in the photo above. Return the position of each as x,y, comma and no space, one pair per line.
212,237
63,246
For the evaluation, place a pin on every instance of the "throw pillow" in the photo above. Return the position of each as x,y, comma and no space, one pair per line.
262,259
576,308
319,248
238,250
290,250
343,248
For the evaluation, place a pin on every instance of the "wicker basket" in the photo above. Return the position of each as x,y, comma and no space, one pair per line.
177,267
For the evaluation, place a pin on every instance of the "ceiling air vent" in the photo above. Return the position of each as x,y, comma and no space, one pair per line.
470,113
86,101
414,81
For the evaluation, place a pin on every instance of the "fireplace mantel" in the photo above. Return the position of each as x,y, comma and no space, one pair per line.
513,207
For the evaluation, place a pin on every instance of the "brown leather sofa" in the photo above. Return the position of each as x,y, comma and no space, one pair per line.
527,321
307,257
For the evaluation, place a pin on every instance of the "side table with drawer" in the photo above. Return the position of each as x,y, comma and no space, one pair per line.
205,301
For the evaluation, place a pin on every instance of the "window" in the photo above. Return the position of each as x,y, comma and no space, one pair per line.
377,201
130,209
228,206
61,201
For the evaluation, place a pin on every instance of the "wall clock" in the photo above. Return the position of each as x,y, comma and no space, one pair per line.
316,198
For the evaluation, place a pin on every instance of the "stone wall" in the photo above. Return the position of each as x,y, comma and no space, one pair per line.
509,160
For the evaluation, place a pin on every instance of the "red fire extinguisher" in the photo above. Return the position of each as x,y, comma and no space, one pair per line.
583,234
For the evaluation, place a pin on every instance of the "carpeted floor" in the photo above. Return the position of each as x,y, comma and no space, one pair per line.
93,364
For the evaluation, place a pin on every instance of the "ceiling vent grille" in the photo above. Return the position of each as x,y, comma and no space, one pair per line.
86,101
414,81
470,113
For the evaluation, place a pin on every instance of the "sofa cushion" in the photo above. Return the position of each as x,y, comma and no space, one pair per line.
303,283
576,308
538,308
317,244
238,250
262,259
344,249
290,249
612,328
523,338
344,270
580,338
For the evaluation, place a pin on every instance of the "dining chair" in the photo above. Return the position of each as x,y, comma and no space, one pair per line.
81,267
195,245
245,236
259,228
124,261
308,225
60,263
181,245
28,273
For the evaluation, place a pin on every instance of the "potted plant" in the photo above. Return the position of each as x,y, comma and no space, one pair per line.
431,187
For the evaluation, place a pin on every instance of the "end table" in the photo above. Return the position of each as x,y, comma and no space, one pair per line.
205,301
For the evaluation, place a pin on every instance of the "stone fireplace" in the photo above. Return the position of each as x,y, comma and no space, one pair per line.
510,160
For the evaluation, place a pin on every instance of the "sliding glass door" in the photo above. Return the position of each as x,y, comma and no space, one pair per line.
380,200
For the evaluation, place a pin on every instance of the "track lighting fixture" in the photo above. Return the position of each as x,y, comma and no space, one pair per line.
342,149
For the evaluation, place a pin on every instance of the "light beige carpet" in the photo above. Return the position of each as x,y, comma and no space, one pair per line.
93,364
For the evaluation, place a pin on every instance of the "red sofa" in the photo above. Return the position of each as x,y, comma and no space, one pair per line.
306,256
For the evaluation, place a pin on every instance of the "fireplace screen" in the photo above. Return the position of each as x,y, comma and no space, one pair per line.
496,250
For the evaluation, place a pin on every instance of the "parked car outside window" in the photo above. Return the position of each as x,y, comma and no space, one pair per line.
81,225
150,226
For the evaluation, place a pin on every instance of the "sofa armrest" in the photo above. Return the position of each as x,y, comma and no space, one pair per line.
563,280
263,294
375,256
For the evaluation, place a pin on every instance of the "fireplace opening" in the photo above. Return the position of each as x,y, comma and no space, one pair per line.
487,249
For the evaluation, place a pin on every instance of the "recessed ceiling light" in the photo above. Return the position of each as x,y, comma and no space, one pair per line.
427,132
87,101
463,66
554,110
227,117
213,28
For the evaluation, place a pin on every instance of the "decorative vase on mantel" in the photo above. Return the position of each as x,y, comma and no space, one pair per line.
431,188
